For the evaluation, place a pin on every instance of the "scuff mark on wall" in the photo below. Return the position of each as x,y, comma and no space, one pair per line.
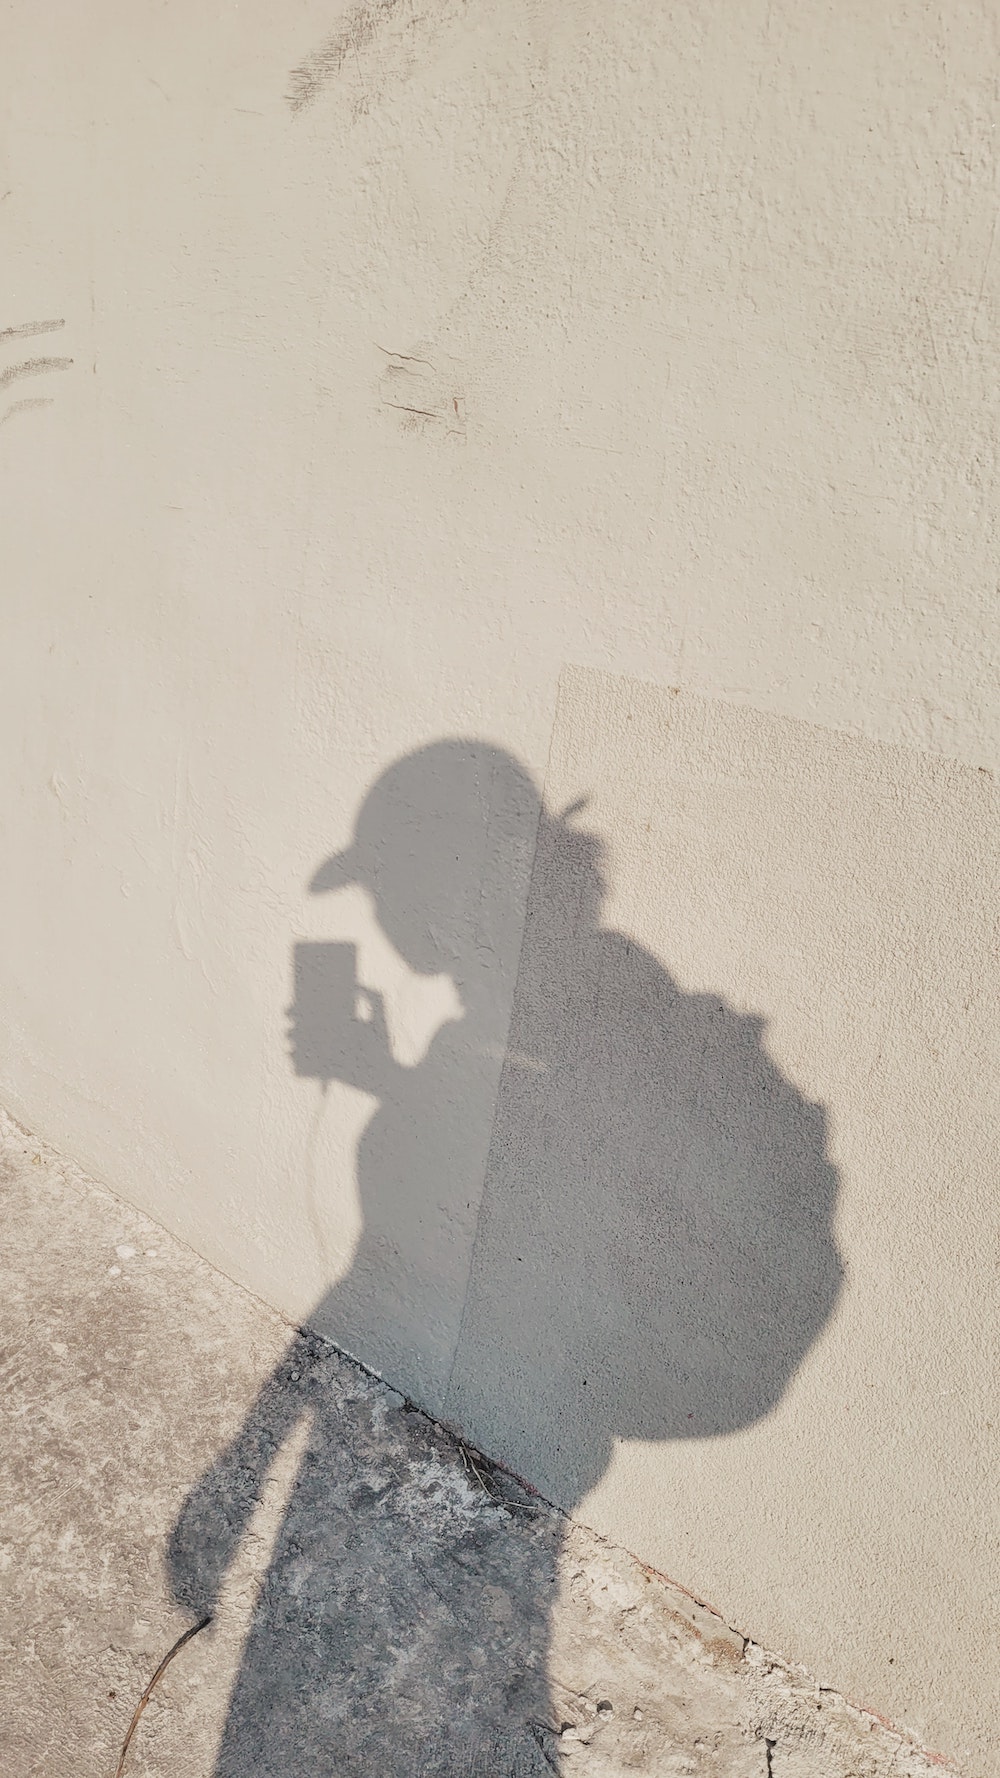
357,31
29,329
391,24
29,367
32,367
427,394
21,407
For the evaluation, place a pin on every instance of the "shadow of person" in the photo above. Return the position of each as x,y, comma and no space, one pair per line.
651,1257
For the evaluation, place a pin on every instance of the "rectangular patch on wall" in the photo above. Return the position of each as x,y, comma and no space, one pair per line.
741,1188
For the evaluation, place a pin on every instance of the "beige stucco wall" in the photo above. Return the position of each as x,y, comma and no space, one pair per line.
697,308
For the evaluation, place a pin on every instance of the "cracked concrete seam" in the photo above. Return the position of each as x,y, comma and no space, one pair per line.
385,1598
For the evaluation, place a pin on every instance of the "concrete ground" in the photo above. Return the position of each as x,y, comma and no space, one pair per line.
383,1601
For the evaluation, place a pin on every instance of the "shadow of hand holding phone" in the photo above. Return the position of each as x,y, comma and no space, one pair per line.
650,1258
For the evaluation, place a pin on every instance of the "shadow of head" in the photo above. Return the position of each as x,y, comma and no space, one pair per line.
443,843
442,847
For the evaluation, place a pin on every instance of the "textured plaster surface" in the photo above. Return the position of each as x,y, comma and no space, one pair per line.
385,1602
734,1296
360,367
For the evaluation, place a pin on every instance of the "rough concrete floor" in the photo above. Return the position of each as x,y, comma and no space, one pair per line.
384,1603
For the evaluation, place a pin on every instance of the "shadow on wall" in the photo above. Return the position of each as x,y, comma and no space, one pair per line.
653,1256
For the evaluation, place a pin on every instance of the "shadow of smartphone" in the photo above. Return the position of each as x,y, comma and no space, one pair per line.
324,1013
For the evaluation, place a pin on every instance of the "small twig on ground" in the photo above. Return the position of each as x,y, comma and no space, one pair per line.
487,1485
538,1730
147,1694
472,1466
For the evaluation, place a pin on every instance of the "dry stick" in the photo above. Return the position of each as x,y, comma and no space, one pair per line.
522,1506
147,1694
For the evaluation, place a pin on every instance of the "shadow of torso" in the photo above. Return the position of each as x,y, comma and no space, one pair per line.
655,1253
